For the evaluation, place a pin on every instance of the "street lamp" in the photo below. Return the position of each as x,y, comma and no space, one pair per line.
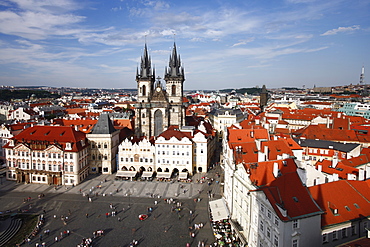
128,194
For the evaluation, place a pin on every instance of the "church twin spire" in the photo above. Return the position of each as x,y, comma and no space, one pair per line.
145,66
174,69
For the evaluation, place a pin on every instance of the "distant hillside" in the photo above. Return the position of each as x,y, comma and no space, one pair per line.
8,95
250,91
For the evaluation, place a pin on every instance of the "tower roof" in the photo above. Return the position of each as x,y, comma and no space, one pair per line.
145,65
174,68
104,125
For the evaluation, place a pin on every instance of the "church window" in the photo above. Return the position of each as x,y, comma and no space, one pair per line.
173,90
105,145
151,160
144,90
143,116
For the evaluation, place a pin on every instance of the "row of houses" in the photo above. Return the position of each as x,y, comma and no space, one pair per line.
304,191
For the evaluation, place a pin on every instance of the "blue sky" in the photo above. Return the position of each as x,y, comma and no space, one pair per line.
222,44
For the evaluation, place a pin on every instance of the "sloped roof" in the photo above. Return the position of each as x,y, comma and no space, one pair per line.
277,147
343,147
288,192
39,137
104,125
322,133
353,201
261,173
341,169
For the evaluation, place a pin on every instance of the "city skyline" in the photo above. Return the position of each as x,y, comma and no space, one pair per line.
232,44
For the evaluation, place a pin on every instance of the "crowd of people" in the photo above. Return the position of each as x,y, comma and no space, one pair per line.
225,236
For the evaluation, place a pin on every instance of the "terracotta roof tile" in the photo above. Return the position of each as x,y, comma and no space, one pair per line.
351,203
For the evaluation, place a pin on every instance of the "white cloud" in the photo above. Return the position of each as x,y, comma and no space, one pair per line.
341,30
244,42
32,25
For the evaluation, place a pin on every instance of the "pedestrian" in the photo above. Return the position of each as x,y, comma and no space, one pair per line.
119,219
87,215
56,239
90,200
191,213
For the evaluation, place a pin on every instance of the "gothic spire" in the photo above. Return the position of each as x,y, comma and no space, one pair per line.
174,68
146,64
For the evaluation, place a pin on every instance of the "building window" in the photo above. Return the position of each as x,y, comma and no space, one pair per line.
262,208
268,232
325,238
295,224
261,226
276,240
269,214
335,235
71,168
276,221
295,243
353,230
344,232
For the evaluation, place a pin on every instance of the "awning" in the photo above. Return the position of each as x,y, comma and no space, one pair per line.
147,175
126,173
183,175
218,209
163,174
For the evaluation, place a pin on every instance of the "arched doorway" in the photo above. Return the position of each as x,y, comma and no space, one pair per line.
158,122
159,169
175,172
200,169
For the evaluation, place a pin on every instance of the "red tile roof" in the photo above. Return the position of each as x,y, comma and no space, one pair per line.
288,192
40,137
351,203
341,169
261,173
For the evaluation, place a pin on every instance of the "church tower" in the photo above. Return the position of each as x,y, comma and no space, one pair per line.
175,77
145,78
159,106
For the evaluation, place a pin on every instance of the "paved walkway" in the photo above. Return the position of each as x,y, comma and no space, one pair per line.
138,194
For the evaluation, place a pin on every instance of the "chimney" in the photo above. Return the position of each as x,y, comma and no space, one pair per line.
334,162
319,168
361,175
266,152
275,170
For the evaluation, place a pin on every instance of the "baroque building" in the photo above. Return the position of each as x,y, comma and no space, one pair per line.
159,106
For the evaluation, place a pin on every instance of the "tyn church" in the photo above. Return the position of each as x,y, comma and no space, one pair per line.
159,106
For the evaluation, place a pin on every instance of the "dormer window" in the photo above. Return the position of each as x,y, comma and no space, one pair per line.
68,146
